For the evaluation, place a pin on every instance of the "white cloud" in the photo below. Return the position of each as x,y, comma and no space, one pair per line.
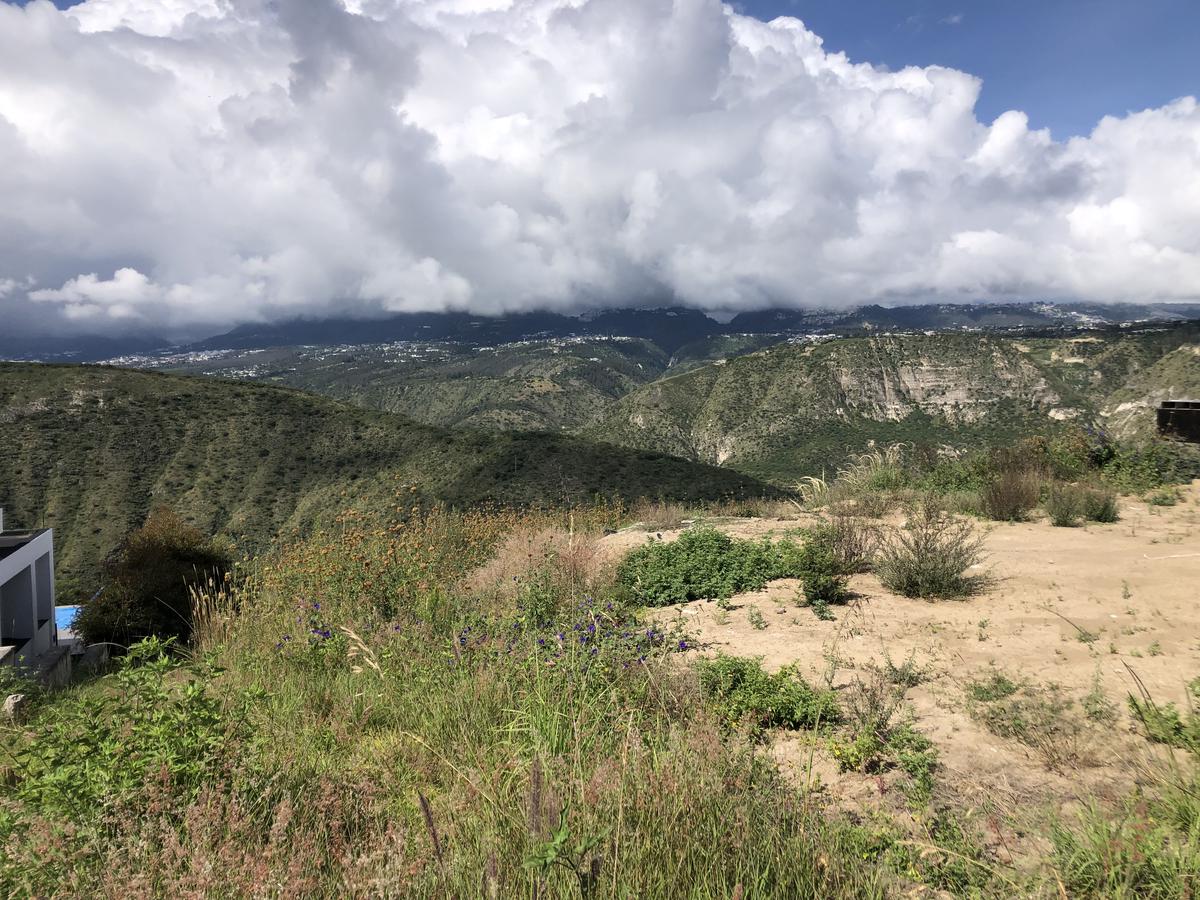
190,164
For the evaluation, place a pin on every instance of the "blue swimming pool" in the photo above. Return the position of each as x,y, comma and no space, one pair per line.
64,616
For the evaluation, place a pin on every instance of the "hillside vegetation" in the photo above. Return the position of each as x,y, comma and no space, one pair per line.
796,409
759,402
90,450
539,385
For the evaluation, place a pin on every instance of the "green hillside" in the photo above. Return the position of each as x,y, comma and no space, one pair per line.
547,385
795,409
90,450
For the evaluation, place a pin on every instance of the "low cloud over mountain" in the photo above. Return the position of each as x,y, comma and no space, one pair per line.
190,164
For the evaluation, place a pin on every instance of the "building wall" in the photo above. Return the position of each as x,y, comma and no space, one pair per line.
27,596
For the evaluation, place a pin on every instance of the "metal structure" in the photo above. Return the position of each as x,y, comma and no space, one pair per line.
1179,420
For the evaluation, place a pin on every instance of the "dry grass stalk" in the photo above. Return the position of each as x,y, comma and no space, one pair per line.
359,651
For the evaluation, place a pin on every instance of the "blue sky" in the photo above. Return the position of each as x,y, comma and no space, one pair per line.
1066,63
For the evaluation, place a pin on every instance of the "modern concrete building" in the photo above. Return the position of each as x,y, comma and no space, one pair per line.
28,634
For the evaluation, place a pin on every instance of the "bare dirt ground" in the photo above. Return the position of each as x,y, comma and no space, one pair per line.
1066,606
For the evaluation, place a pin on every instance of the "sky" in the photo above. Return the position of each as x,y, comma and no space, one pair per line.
184,166
1066,63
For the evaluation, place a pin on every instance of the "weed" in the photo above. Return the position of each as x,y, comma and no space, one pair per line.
1096,705
997,686
755,617
1164,497
876,744
1100,505
1064,504
1040,718
658,515
907,674
1137,852
820,609
1166,724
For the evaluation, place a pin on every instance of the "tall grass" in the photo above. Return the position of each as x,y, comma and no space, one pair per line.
404,737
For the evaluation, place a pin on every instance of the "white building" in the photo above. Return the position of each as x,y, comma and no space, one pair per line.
28,632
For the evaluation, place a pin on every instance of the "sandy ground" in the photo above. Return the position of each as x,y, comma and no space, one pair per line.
1134,585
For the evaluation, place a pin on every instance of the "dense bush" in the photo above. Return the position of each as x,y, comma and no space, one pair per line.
148,582
1068,504
743,695
1011,494
830,553
930,555
1100,505
704,564
1064,504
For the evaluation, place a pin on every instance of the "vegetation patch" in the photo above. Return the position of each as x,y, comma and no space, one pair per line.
876,742
149,580
1165,724
1042,718
704,564
745,696
1012,493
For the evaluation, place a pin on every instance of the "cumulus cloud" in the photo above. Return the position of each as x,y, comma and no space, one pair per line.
190,164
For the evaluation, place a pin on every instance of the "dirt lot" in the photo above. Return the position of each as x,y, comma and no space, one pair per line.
1073,607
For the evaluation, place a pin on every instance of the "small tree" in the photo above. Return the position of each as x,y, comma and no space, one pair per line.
147,581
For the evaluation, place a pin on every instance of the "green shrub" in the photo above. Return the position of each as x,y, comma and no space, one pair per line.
1166,724
1143,467
743,695
931,556
1100,505
831,552
1164,497
1064,504
822,572
148,582
704,564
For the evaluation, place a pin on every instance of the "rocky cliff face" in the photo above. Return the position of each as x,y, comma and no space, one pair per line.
1129,412
799,399
954,381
